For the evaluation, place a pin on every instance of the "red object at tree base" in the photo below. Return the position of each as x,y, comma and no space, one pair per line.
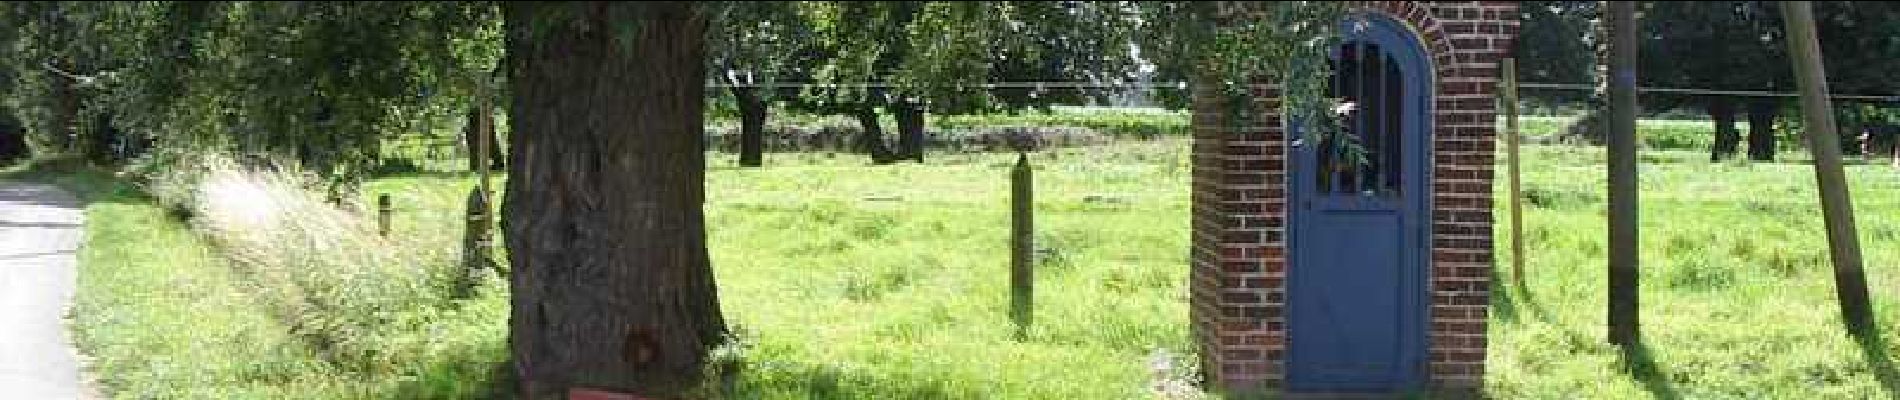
593,394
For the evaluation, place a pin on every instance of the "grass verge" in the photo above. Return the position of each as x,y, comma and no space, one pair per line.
163,313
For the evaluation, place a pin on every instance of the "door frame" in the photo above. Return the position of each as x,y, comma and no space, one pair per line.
1404,43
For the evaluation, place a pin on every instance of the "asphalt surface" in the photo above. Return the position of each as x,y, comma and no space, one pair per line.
39,240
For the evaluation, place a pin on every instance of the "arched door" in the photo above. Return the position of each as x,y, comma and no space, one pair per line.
1360,222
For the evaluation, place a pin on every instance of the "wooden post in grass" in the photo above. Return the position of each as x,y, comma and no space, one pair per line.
383,211
1624,326
475,234
1850,282
1022,245
484,130
1513,137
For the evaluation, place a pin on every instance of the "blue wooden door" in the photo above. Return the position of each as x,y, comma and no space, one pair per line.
1359,218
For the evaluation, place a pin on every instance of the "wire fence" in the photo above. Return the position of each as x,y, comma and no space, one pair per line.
1184,86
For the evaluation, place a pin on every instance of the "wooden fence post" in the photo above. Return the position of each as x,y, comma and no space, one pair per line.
1837,208
1022,245
1624,322
1517,205
383,211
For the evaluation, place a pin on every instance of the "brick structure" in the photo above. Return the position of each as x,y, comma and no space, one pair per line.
1240,209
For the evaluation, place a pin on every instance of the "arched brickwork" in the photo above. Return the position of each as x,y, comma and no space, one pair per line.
1238,249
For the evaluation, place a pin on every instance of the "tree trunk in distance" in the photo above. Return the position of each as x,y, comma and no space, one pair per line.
910,129
1761,129
752,112
871,137
1727,140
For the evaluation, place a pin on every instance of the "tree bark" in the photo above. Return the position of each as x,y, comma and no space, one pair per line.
910,129
1761,129
611,285
871,137
1727,140
752,113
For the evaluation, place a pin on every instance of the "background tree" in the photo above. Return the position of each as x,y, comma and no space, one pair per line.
756,44
1719,45
1859,40
1554,45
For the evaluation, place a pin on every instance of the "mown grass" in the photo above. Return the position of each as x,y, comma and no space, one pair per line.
851,281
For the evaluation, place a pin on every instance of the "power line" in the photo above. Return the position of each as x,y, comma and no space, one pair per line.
1710,92
987,85
1184,85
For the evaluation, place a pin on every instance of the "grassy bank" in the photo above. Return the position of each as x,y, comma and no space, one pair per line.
162,312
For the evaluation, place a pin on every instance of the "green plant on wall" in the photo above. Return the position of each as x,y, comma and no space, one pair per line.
1236,48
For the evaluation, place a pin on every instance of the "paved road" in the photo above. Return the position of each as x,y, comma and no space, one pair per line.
39,236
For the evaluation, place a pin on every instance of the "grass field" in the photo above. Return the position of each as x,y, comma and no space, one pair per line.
849,281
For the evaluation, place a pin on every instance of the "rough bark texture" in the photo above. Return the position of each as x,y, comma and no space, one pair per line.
611,285
1727,140
910,130
752,111
1761,129
871,138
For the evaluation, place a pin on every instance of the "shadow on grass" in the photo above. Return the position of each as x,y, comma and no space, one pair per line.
90,184
1636,358
430,173
792,379
1874,347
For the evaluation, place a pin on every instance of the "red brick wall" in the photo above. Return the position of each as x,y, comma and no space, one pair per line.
1238,251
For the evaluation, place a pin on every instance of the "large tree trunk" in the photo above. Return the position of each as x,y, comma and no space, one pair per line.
910,129
1761,129
752,111
611,285
1727,140
871,137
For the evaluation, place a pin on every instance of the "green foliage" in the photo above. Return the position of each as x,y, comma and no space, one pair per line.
320,82
1230,48
1118,124
1554,45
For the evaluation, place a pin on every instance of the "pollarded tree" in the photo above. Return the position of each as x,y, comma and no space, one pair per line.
1719,45
938,55
754,45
